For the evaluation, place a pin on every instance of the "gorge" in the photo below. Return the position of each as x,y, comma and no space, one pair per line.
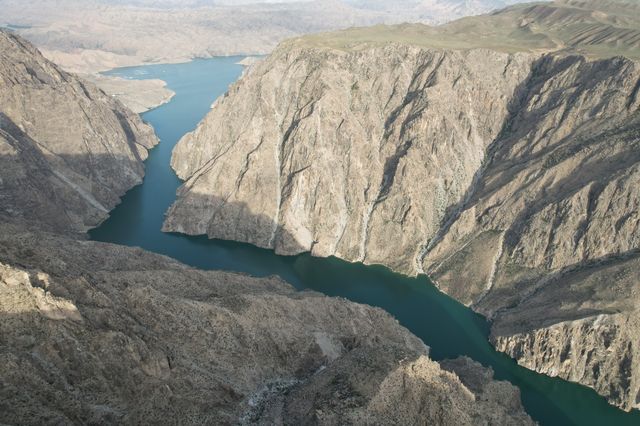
501,163
503,166
94,333
450,329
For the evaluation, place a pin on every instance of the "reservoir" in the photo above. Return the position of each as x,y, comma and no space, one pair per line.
447,327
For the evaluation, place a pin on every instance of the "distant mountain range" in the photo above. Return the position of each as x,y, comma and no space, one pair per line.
93,35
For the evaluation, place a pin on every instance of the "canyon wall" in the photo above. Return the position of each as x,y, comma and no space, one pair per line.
332,149
67,150
502,175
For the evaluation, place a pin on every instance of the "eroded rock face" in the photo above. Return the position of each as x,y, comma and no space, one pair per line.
599,351
98,333
559,189
502,176
67,150
550,234
328,150
583,325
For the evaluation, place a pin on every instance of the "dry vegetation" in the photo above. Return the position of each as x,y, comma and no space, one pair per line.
598,28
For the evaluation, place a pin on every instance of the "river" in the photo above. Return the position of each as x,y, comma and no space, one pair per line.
449,328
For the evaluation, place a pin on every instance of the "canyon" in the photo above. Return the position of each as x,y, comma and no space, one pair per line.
500,160
101,333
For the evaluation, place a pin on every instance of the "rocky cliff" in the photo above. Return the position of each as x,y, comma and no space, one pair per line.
67,150
547,242
503,175
331,146
94,333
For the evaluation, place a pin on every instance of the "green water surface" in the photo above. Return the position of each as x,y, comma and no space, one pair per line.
449,328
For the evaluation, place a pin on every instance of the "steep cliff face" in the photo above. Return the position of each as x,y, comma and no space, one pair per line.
558,200
94,333
599,351
558,189
501,175
67,150
329,148
582,325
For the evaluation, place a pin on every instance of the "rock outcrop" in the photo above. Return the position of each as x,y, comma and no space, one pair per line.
67,150
335,168
502,175
95,333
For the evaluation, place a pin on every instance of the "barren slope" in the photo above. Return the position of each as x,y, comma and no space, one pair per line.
67,150
103,334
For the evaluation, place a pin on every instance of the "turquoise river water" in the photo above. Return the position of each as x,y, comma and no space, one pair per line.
449,328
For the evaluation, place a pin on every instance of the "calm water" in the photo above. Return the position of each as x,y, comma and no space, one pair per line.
447,327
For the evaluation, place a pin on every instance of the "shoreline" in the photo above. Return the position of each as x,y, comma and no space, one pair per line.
144,95
141,95
138,95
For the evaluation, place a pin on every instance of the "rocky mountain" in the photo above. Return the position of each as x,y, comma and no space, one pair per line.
94,333
504,164
67,150
93,35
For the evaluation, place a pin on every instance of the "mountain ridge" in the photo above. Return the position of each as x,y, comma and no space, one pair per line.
75,174
87,37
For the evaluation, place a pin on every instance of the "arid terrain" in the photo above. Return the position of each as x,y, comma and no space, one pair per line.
89,36
137,95
497,154
94,333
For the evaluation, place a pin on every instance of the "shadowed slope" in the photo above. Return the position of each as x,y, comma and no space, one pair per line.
69,151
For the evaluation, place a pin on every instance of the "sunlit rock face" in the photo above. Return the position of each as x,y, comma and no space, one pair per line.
353,154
